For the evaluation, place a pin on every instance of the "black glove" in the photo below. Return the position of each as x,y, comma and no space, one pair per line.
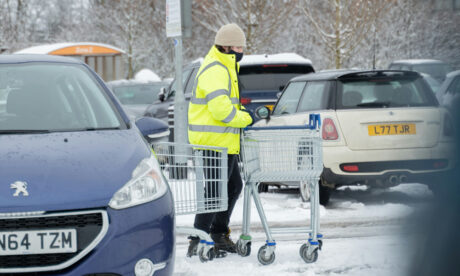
253,117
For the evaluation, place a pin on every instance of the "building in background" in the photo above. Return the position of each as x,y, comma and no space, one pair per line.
105,59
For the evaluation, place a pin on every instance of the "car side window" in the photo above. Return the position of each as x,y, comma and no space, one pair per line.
191,82
314,97
289,100
185,75
405,67
454,88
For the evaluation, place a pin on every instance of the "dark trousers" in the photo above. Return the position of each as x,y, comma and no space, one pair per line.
217,222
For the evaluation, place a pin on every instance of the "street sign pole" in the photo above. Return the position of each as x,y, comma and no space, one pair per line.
174,30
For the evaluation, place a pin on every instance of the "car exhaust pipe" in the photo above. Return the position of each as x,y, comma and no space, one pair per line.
402,178
393,180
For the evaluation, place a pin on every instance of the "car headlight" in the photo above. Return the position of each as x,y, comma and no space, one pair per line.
146,184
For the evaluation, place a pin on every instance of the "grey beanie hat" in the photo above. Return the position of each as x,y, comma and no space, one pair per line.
230,35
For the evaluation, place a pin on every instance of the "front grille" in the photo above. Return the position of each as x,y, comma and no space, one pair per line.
89,226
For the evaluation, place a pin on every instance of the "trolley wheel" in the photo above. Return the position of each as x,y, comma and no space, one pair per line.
320,244
261,256
243,249
305,191
209,256
308,258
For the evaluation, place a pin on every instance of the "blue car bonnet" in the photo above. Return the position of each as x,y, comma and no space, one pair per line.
67,170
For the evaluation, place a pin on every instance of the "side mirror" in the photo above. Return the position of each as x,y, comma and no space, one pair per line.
282,87
153,129
263,112
162,94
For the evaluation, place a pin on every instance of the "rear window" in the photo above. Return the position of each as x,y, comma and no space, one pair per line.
270,77
384,92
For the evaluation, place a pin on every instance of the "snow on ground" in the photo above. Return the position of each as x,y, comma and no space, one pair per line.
363,229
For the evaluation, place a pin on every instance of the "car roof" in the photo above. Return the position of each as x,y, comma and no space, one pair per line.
347,73
131,82
22,58
453,74
417,61
282,58
289,58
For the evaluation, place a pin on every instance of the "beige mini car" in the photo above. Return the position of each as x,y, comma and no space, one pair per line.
379,128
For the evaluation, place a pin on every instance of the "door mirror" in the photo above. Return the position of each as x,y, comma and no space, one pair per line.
162,94
152,129
263,112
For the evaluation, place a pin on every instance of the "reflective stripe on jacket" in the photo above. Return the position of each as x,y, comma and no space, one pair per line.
214,116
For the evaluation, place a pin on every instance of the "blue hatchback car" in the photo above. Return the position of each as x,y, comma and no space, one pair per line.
81,192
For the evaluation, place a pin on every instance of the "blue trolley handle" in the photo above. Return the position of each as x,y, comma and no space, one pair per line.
313,123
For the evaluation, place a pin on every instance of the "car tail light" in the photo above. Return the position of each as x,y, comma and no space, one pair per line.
329,130
440,164
350,168
448,127
245,101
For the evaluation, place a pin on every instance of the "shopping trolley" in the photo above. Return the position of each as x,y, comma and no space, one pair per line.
197,177
281,154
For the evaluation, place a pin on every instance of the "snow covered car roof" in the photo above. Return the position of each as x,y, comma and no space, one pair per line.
291,58
453,74
37,58
417,61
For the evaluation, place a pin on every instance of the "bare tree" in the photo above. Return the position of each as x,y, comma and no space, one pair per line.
342,25
136,26
261,20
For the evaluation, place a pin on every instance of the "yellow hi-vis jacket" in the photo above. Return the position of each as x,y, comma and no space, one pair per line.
214,116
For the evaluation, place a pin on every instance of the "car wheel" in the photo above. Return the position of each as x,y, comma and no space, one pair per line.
262,188
324,194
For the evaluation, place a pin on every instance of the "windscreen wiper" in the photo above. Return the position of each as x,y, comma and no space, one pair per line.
374,104
23,131
98,128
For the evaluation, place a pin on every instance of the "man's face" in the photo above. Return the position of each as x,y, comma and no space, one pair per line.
238,49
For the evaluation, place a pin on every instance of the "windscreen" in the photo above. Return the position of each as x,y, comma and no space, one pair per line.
53,97
270,77
384,92
137,94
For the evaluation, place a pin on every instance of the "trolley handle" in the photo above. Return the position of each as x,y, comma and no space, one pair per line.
314,123
279,127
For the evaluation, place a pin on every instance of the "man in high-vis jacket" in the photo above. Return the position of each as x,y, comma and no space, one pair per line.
215,118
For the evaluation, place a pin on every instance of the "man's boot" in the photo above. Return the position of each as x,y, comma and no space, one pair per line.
193,246
222,242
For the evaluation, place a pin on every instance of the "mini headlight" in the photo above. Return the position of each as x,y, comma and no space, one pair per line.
146,184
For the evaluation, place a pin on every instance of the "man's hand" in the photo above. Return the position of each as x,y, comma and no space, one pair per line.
250,114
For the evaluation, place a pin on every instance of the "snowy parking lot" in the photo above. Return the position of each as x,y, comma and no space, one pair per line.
366,232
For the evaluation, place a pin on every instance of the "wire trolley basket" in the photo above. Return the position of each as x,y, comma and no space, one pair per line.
197,176
277,155
281,154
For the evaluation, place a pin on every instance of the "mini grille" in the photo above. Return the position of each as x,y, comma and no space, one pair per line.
88,226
